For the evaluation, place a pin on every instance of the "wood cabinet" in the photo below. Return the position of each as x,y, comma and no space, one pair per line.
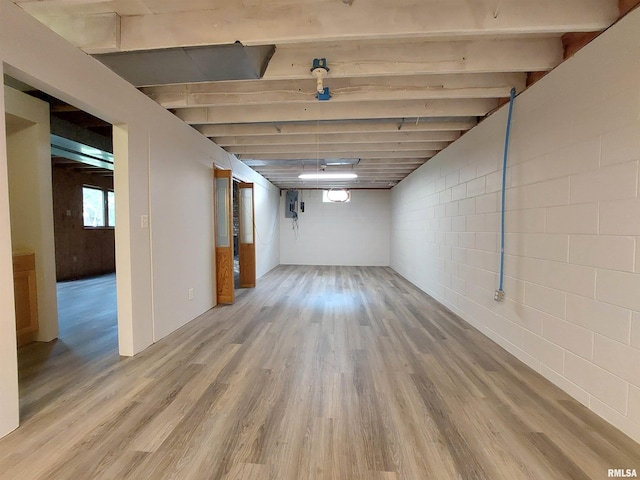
26,299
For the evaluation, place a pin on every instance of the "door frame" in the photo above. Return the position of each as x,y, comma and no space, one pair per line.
223,234
247,235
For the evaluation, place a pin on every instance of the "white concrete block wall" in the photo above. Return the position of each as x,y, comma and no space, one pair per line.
572,266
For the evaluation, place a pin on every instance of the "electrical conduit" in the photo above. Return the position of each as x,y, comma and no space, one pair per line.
500,292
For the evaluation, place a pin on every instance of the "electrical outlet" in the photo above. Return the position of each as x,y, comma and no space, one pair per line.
499,296
191,294
144,221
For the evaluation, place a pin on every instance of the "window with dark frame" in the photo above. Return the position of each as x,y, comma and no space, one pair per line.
98,207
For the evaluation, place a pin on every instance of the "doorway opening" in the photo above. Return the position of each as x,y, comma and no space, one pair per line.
235,236
70,237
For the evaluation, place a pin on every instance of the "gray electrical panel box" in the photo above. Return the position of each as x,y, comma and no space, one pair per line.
291,204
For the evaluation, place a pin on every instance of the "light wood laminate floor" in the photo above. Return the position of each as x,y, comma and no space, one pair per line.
342,373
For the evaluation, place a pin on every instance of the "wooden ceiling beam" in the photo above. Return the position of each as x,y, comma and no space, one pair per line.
94,33
345,154
361,59
351,138
381,173
404,63
289,21
363,162
316,111
43,8
324,186
325,148
359,171
117,26
330,128
297,183
407,87
361,176
369,185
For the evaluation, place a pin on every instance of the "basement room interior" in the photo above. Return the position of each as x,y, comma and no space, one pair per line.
329,239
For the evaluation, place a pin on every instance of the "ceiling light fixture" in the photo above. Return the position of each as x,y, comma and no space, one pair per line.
327,176
336,162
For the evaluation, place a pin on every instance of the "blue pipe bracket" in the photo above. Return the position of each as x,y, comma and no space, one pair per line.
319,63
324,95
499,294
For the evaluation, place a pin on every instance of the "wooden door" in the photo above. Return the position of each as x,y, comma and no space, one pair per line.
223,236
246,239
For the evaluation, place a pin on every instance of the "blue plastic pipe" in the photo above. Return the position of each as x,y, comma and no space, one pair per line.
504,185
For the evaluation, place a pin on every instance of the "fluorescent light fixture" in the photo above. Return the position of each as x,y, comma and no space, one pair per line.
255,163
334,162
327,176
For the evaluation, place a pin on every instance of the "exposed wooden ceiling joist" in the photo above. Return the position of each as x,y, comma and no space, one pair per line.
406,78
326,148
352,138
406,87
330,128
339,154
357,185
166,24
364,162
336,111
360,59
362,174
274,173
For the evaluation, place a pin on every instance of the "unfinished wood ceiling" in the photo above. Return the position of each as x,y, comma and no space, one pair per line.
406,77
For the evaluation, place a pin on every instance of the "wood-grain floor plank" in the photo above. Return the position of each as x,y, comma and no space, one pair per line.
319,373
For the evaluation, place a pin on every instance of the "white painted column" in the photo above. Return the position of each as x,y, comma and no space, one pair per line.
9,403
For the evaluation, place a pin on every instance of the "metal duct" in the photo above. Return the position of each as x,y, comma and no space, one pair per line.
72,150
189,64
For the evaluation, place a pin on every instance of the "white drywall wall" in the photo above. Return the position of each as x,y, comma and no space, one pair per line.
353,233
163,169
31,200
